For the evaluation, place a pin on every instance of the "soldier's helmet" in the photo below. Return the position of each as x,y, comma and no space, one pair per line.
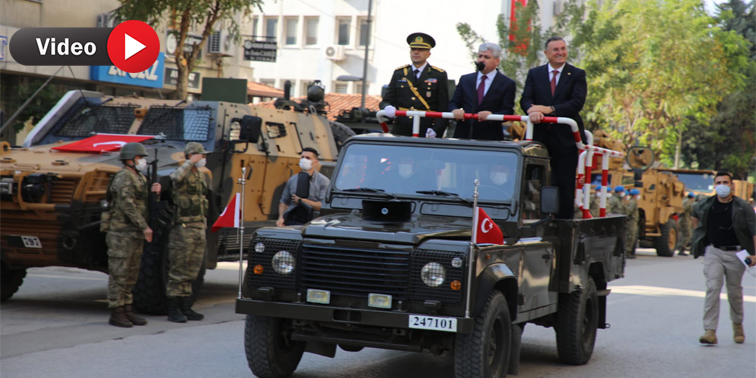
194,148
132,150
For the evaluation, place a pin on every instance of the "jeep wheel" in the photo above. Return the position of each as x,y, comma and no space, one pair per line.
577,322
485,352
666,244
149,291
10,281
271,353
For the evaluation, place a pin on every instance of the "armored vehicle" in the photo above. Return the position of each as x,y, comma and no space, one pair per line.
51,200
391,262
701,182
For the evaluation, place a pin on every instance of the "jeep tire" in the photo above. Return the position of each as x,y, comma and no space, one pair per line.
486,351
271,353
577,323
11,281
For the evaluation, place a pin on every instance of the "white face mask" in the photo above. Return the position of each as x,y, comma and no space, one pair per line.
722,190
305,164
405,170
201,163
498,178
141,165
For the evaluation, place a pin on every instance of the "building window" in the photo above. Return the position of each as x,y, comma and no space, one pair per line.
271,28
311,31
268,82
363,31
254,26
291,31
343,36
339,87
358,88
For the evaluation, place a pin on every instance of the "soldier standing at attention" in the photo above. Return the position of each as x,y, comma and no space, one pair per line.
685,226
127,230
418,86
186,248
616,205
631,237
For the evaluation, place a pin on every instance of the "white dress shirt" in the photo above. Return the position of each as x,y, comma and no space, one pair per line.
559,74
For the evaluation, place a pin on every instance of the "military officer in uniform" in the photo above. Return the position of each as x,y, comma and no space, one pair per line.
685,223
631,232
186,250
127,229
418,86
616,203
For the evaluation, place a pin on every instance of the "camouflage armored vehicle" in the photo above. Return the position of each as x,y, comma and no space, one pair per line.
701,182
50,200
391,264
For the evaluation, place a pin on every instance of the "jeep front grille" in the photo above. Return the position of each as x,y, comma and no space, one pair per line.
354,272
443,293
269,277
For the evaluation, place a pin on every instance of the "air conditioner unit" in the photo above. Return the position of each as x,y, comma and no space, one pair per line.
106,20
335,53
220,42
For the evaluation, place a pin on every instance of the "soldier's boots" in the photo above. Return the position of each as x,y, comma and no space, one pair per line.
174,311
682,252
737,333
186,309
118,318
630,256
710,337
135,320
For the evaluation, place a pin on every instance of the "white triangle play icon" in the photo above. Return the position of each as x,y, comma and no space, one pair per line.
132,46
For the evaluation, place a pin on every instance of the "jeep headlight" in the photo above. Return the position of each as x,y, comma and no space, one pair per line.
283,262
433,274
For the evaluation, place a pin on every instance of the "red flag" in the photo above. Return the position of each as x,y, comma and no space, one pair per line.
102,143
229,217
487,232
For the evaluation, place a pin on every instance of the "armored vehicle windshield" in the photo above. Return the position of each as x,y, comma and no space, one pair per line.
412,170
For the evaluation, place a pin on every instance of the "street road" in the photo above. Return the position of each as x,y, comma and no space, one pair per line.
56,326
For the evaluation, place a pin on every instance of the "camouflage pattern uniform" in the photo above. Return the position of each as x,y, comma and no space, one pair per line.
616,205
633,217
685,223
125,238
187,239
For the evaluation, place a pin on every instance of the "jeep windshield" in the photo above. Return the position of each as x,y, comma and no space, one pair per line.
411,170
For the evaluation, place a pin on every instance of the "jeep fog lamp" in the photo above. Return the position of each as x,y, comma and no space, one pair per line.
433,274
456,262
283,262
379,300
259,247
318,296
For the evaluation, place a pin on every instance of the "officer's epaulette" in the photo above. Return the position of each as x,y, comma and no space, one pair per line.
402,67
437,69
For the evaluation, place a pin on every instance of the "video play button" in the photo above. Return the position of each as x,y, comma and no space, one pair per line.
133,46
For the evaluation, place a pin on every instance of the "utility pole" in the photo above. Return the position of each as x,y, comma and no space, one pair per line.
367,49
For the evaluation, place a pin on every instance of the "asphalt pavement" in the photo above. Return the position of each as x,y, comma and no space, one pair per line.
56,326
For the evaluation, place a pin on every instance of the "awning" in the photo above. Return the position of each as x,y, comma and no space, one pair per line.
262,90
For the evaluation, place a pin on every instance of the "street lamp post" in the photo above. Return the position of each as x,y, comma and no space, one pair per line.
367,49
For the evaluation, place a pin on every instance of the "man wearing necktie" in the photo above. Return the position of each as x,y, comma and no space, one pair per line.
557,89
418,86
485,92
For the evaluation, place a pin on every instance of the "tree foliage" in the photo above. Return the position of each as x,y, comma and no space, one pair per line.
206,15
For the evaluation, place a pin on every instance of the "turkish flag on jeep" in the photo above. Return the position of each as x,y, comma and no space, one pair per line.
487,232
230,216
102,143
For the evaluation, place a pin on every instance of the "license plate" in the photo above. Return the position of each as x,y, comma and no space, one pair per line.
433,323
31,242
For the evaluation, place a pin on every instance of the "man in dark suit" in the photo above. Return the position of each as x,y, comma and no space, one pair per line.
557,89
418,86
484,92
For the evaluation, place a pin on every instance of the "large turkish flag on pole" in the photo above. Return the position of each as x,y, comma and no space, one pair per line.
230,216
487,232
102,143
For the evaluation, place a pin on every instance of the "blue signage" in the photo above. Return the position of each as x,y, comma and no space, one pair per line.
151,77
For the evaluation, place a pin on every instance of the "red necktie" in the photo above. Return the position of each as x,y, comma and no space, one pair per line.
481,89
553,82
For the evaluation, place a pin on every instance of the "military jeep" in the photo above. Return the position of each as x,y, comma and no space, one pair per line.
391,264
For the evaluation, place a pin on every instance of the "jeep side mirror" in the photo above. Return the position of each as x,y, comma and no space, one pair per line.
549,200
250,129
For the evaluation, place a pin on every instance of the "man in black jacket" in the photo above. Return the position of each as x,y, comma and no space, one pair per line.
557,89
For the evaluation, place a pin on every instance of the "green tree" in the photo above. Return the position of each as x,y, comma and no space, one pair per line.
653,66
188,14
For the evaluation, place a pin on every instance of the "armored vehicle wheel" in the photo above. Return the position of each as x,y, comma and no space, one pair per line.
577,322
149,291
341,133
271,353
666,244
10,281
485,352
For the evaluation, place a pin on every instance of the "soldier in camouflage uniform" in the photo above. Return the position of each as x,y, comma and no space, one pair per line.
685,223
186,249
616,203
633,217
596,200
127,229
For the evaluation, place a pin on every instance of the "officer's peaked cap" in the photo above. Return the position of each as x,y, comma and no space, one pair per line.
421,41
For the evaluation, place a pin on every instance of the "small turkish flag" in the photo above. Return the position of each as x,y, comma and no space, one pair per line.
487,231
102,143
229,217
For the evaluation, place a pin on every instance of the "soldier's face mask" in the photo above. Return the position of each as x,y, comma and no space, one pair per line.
201,163
141,164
